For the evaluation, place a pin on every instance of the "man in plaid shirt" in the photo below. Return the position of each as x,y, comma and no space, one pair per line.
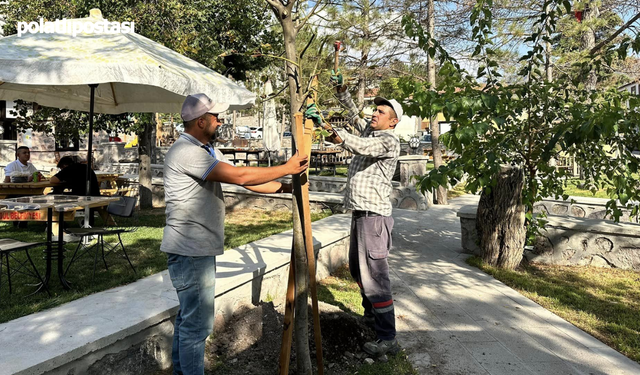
367,194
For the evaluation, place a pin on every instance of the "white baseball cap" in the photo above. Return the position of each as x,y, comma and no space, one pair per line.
197,105
391,103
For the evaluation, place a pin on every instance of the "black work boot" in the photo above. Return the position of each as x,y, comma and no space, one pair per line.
379,347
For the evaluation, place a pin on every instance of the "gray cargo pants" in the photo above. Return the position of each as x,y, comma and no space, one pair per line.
368,252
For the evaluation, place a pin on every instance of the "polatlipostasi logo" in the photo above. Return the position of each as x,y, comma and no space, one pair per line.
75,27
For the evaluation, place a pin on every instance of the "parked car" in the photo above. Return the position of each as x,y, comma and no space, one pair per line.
256,133
286,134
426,138
243,132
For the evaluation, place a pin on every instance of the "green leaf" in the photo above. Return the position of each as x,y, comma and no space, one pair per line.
624,198
481,127
466,134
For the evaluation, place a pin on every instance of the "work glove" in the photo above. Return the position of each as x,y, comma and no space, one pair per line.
313,114
336,78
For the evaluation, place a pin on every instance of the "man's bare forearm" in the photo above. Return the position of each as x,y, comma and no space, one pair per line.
270,188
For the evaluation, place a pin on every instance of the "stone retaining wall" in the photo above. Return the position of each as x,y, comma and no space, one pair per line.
582,207
584,242
404,194
571,240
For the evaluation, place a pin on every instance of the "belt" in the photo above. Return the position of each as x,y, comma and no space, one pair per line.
364,213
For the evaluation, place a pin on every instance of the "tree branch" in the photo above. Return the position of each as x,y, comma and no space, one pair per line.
421,79
276,5
306,19
612,36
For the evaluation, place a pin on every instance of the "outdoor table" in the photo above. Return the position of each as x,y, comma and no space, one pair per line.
24,188
110,179
244,155
324,158
128,185
41,208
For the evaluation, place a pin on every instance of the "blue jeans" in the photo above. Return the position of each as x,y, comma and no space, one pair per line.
194,279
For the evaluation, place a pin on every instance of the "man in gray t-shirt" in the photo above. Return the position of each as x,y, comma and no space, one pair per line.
194,233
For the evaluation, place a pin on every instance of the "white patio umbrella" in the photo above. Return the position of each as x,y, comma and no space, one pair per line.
270,136
106,73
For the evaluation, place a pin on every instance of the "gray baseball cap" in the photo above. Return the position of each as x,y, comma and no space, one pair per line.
197,105
391,103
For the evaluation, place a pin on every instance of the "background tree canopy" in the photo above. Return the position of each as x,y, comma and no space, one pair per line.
529,122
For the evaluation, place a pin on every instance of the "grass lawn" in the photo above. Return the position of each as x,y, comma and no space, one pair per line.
457,191
327,172
341,290
572,189
603,302
430,166
143,247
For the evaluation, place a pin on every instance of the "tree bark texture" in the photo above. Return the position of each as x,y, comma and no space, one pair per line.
501,220
159,132
301,331
364,60
301,328
284,14
434,125
589,39
145,149
548,67
296,96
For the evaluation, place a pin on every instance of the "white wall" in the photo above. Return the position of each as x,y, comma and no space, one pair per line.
407,127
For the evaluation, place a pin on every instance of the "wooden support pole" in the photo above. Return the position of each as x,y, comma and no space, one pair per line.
303,237
287,332
308,236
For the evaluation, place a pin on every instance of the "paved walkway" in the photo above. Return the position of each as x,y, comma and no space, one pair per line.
455,319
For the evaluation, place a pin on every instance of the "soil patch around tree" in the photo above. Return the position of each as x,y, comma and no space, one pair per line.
249,342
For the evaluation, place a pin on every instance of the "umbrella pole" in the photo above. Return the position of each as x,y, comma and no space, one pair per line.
87,210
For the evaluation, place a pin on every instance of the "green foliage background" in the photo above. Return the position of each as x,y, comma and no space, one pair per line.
531,123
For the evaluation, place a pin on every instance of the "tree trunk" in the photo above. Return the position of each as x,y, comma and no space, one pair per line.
364,60
441,192
159,132
362,81
301,327
303,357
501,220
146,143
548,68
591,12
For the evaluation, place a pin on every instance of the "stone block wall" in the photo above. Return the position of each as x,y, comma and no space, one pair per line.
571,241
468,232
404,194
323,183
589,208
7,151
584,242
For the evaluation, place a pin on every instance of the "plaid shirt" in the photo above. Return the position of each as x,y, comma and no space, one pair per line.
372,167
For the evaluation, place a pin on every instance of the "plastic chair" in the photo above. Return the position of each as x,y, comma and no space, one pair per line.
125,207
8,248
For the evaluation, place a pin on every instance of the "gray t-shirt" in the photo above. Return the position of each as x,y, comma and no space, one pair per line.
195,207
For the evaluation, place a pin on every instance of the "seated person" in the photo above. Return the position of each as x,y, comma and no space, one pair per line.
20,170
74,177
